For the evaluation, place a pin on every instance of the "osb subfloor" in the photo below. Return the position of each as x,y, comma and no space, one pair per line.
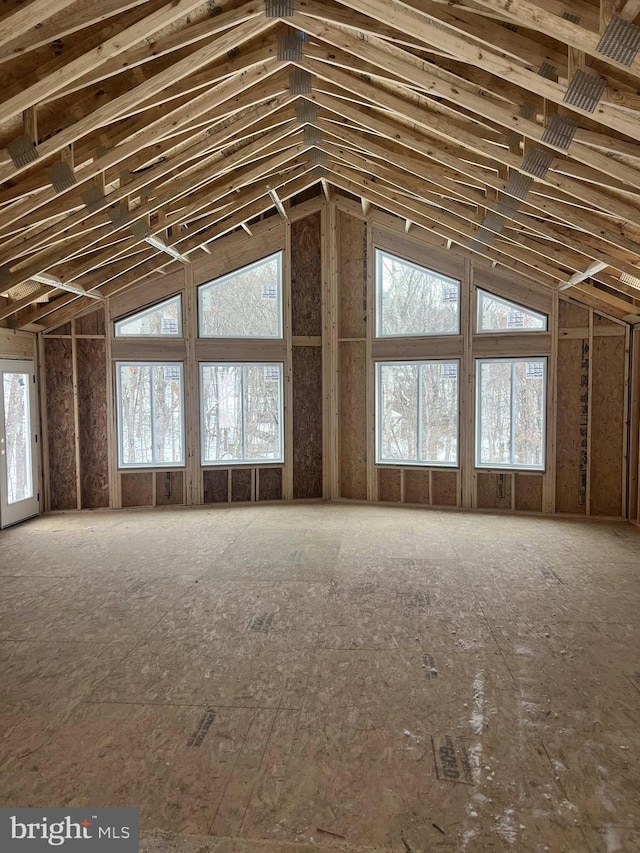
326,677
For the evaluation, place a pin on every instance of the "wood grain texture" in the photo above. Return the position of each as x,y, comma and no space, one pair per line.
270,484
445,488
607,425
572,425
494,490
389,484
61,431
352,420
216,486
137,488
93,422
169,488
416,487
528,489
307,422
572,316
306,276
241,484
352,276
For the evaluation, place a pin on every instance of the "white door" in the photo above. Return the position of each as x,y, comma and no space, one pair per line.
19,498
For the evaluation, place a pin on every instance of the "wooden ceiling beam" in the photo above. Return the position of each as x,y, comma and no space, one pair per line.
27,16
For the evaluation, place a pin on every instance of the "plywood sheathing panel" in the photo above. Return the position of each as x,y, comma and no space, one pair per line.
17,344
416,487
528,492
306,276
270,484
93,421
445,488
390,484
307,422
352,276
607,424
572,316
571,442
61,432
494,490
169,488
91,324
352,420
137,488
216,486
241,484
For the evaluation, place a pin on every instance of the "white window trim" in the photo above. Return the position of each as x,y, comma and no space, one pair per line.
134,315
146,465
413,463
279,296
244,462
453,282
512,466
508,303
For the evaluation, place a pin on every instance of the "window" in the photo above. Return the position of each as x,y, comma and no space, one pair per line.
511,400
246,303
162,319
417,412
412,300
499,315
241,412
150,414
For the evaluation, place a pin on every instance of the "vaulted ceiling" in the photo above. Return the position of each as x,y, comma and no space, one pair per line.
134,134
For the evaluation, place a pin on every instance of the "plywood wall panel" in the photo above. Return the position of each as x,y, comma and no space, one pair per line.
389,484
91,324
306,276
353,419
60,420
607,424
352,276
137,488
93,420
445,488
241,479
571,441
169,488
494,490
307,422
270,484
528,489
216,486
572,316
416,487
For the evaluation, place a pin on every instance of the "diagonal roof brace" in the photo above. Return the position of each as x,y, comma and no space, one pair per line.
592,269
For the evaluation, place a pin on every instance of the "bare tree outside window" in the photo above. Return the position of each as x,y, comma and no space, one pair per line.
413,300
150,414
500,315
164,319
17,431
241,412
246,303
417,412
511,413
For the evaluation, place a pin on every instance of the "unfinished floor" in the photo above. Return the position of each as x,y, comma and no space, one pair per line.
326,677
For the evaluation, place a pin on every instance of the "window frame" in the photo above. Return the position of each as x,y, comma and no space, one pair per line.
511,466
244,462
508,303
156,465
279,255
411,463
149,309
379,314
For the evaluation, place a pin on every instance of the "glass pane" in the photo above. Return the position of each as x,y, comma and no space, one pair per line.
500,315
163,319
221,401
440,413
245,303
17,429
136,437
262,415
529,413
495,413
398,412
413,300
167,398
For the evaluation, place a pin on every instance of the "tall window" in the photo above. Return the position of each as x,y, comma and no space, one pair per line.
500,315
162,319
241,412
417,412
413,300
511,401
246,303
150,414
